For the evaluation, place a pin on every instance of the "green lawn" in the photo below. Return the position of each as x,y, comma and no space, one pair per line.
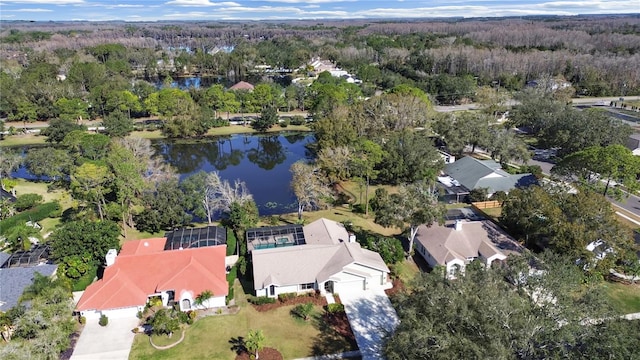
624,298
406,271
29,139
212,337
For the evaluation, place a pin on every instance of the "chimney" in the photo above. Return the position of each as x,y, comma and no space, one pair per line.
352,238
110,258
458,225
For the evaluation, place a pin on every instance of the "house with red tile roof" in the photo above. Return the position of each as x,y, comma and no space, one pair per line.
144,269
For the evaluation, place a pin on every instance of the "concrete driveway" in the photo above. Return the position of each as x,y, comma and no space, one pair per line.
371,317
112,342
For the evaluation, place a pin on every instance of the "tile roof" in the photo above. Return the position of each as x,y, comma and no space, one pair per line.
141,270
13,281
475,238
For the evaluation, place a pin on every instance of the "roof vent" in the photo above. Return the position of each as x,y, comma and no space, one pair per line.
458,225
352,238
146,244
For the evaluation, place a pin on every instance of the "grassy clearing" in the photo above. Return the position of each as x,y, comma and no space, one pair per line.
341,214
27,139
493,213
213,337
624,298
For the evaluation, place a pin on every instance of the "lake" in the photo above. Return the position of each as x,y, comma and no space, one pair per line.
261,161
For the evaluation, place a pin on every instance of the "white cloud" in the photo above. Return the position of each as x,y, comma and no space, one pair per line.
45,2
201,3
308,1
30,10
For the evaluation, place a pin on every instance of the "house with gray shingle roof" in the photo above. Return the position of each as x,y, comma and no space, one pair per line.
13,280
328,259
457,243
472,173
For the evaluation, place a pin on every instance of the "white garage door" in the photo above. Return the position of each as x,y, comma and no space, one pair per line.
348,283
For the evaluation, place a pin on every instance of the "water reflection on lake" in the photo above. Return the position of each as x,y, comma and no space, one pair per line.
261,161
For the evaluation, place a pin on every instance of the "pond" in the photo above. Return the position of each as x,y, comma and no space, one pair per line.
261,161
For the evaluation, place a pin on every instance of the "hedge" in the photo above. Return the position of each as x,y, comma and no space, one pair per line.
261,300
50,209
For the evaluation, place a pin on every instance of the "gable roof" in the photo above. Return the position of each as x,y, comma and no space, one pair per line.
242,85
474,239
142,270
13,281
473,173
325,231
309,263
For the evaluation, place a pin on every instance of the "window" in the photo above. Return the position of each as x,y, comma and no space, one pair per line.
309,286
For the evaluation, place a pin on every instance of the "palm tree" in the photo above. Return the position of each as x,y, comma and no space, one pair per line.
203,297
255,341
19,235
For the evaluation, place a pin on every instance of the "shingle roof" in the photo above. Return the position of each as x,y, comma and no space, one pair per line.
473,173
325,231
13,281
140,271
308,263
475,238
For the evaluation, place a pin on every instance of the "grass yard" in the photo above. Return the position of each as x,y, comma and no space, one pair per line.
624,298
340,214
493,213
213,337
26,139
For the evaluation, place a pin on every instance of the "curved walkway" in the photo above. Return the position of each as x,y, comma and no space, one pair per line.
372,318
166,346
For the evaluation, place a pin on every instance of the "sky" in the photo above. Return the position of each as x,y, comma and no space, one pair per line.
159,10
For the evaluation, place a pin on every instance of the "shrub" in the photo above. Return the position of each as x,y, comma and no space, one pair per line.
27,201
285,122
192,314
104,320
335,308
297,120
286,296
82,320
303,311
261,300
50,209
139,314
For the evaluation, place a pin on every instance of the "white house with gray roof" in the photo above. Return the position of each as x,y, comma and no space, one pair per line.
472,173
457,243
328,259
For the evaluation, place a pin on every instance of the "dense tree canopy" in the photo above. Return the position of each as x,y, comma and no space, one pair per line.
480,315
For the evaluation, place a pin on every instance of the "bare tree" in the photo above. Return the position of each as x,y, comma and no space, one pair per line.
309,187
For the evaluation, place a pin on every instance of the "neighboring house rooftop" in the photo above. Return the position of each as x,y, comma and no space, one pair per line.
14,280
309,263
471,239
144,268
4,194
473,173
327,250
633,143
242,85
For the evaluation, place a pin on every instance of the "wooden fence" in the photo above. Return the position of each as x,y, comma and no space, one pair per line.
487,204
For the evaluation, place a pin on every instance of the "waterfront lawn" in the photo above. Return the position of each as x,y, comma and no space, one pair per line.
212,337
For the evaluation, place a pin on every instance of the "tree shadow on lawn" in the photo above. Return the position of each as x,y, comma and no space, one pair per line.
238,345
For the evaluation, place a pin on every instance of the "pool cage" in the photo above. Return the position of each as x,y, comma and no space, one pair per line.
38,254
188,238
276,236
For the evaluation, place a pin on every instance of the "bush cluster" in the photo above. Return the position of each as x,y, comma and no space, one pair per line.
287,296
261,300
104,320
50,209
335,308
